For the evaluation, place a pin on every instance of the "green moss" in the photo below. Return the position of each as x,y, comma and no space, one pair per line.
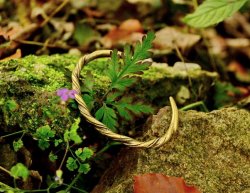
32,82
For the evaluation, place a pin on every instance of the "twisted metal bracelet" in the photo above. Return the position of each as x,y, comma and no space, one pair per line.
103,129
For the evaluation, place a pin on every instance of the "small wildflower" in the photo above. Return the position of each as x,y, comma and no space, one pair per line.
65,94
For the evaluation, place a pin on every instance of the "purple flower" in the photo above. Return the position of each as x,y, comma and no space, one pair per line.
65,94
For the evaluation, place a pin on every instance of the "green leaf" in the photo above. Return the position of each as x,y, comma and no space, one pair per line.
211,12
45,132
107,116
71,164
124,83
19,170
52,157
17,145
89,100
84,168
84,34
84,153
125,108
57,142
72,133
43,144
114,67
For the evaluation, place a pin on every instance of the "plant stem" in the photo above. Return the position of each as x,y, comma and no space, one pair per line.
3,169
195,4
72,187
73,182
55,12
14,133
106,147
196,104
64,156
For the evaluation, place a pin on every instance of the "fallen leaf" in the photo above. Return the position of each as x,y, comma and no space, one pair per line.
241,73
129,31
16,55
158,183
168,38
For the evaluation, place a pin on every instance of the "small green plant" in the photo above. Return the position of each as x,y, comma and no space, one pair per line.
122,72
211,12
43,135
78,162
19,171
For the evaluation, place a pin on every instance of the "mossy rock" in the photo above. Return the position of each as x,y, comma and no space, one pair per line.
28,89
209,150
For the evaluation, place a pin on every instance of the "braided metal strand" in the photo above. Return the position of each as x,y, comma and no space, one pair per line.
103,128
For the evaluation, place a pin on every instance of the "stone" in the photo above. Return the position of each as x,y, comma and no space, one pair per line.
209,150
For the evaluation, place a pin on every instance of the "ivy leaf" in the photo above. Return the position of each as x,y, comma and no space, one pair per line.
107,116
211,12
19,170
71,164
17,145
84,168
72,133
84,153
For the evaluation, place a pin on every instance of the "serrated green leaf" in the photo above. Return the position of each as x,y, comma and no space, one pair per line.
89,100
124,83
84,153
211,12
139,108
17,145
114,66
71,164
125,108
84,168
19,170
107,116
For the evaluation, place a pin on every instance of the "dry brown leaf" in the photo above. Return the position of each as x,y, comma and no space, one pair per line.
168,38
16,55
128,32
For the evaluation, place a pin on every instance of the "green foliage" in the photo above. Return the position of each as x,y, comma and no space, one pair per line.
71,164
211,12
84,153
107,115
43,134
19,170
78,162
122,73
72,135
224,94
52,157
17,145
